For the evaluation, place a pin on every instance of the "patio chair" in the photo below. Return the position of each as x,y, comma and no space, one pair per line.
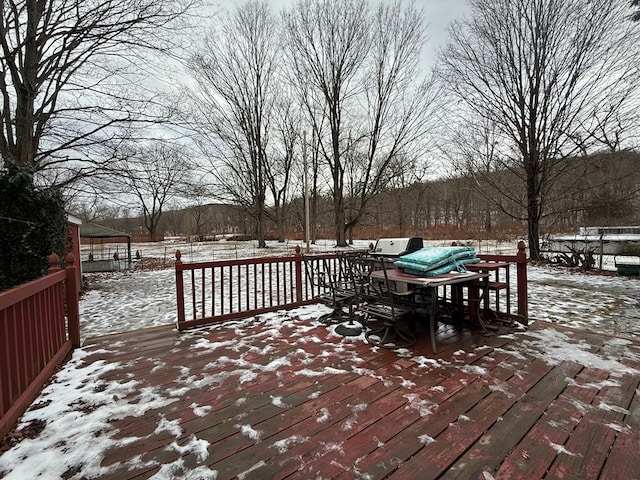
330,284
355,268
387,310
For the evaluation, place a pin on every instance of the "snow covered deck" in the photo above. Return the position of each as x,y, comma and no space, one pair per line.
283,396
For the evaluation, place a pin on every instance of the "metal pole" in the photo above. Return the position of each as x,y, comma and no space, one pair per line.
307,233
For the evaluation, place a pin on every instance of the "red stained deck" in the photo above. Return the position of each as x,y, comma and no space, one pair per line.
296,401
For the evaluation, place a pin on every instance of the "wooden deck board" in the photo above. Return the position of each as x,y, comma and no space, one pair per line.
457,439
535,453
622,461
299,402
496,443
446,406
593,437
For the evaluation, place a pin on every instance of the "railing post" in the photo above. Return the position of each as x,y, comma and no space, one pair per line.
54,263
523,307
73,310
298,269
179,289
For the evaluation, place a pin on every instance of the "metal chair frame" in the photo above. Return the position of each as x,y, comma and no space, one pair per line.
332,286
385,308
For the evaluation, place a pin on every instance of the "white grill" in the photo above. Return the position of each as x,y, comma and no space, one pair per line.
394,247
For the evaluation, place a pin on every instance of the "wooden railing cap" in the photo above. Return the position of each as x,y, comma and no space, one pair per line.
54,262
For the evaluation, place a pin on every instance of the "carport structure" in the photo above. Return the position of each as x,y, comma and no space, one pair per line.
95,232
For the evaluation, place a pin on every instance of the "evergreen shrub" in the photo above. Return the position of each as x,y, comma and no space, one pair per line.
33,223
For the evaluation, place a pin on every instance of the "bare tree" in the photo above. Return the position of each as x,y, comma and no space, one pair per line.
473,148
405,190
546,73
314,180
357,70
235,71
154,175
399,106
68,71
95,209
328,43
199,210
284,157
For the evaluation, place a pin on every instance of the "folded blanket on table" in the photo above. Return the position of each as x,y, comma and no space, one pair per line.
437,260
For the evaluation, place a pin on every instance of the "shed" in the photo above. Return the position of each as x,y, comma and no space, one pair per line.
98,233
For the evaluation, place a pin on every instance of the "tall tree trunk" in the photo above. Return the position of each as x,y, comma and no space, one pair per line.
281,219
339,218
533,221
487,218
259,214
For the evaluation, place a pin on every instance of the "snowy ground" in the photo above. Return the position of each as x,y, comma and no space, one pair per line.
124,301
130,300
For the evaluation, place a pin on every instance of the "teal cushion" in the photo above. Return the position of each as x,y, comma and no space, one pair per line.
437,260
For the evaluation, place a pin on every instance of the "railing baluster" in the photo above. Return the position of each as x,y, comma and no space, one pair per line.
49,305
193,294
285,281
262,283
298,266
270,285
292,281
255,282
247,291
213,291
239,284
202,301
4,362
222,296
230,283
180,289
277,283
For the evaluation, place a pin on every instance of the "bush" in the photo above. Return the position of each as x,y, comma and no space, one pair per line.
33,222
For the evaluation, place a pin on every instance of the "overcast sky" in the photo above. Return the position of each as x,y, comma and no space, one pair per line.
438,15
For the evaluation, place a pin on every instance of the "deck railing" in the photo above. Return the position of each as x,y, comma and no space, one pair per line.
211,292
39,327
519,260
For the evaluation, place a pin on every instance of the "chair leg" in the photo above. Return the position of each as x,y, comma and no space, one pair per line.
433,312
334,317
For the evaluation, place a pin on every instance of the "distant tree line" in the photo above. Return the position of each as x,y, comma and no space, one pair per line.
602,189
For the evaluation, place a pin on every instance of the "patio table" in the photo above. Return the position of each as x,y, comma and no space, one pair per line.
432,283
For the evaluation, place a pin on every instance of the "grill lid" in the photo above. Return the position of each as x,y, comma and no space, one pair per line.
394,247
